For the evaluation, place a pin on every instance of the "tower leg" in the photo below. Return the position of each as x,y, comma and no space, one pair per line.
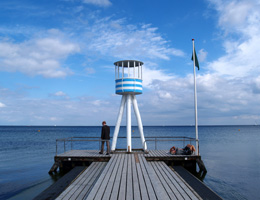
128,121
139,121
119,119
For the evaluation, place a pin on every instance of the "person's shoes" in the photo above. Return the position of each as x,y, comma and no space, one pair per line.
100,152
107,153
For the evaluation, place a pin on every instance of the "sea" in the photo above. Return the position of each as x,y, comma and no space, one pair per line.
230,153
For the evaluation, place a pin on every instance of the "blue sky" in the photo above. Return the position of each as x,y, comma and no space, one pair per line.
56,60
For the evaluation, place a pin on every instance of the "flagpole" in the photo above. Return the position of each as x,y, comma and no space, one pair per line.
195,100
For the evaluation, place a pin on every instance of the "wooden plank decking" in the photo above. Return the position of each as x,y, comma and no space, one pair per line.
83,184
129,176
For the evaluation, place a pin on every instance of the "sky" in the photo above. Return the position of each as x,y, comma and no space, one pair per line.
56,60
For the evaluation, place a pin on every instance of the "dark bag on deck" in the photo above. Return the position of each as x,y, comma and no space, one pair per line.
187,151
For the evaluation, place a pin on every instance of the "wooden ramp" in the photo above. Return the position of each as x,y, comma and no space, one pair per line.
83,184
58,187
129,176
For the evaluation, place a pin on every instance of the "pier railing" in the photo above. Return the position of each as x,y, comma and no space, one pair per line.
71,140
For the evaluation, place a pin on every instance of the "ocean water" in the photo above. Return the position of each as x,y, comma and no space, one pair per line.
230,153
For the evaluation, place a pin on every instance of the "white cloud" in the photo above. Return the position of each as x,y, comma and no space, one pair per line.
202,55
171,102
53,118
2,105
85,111
102,3
242,55
60,93
234,13
90,70
151,73
256,85
97,102
164,94
116,38
38,56
241,62
220,101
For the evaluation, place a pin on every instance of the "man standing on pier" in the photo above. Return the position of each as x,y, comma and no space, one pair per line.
105,135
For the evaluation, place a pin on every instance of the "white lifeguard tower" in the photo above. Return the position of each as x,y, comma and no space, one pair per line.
128,79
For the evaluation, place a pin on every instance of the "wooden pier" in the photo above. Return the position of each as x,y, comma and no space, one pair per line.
134,176
129,176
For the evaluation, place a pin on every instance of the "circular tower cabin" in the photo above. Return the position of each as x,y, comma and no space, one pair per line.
128,75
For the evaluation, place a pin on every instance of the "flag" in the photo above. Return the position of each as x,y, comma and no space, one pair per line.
196,59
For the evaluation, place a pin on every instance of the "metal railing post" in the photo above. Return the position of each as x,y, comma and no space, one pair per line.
156,143
70,143
64,147
198,148
56,147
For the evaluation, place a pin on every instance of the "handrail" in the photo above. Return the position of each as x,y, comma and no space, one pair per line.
132,137
156,139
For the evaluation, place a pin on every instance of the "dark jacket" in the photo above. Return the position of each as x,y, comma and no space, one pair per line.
105,133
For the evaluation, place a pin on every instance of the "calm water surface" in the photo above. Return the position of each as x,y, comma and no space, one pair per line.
230,153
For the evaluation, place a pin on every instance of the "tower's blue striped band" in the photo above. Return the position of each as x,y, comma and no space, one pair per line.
128,85
129,90
129,79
